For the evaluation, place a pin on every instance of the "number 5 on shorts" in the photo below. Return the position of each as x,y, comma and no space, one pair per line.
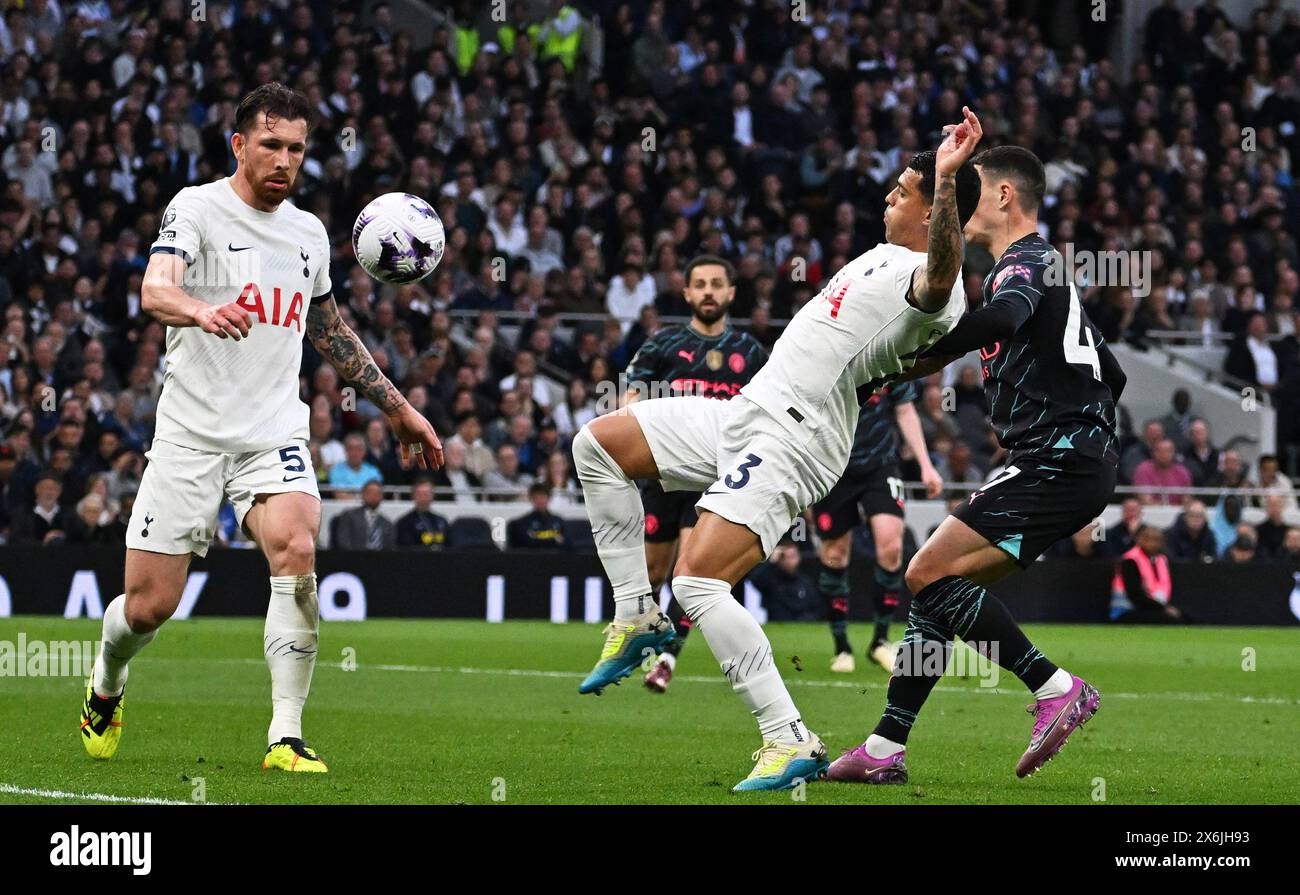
291,459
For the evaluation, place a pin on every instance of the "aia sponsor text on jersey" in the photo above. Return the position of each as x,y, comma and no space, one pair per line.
251,300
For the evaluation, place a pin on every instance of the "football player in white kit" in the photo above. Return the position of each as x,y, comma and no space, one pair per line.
773,450
238,275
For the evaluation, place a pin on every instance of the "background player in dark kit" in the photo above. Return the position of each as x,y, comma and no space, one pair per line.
871,489
1051,385
704,357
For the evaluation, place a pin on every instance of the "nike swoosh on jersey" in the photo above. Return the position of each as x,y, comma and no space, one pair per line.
234,248
294,479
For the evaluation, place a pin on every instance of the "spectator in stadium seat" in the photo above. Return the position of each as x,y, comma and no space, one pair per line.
46,522
958,467
558,475
1142,588
1190,536
788,594
539,529
1160,474
322,435
1200,457
1177,423
1251,358
543,246
454,478
936,421
1270,479
507,228
90,525
1232,474
354,472
1272,531
497,432
1243,550
1141,451
525,373
1290,552
365,527
1227,516
478,458
508,481
521,437
381,454
421,527
1200,319
576,410
629,290
1121,536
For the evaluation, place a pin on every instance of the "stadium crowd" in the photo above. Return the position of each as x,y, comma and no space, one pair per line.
579,154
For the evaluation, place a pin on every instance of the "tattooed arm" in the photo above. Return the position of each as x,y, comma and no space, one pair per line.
932,284
344,350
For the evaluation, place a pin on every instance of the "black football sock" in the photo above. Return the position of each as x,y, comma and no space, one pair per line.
682,622
922,657
834,587
888,585
978,617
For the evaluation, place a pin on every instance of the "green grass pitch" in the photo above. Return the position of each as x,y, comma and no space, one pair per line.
467,712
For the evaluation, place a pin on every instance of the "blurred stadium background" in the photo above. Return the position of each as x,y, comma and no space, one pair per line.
580,153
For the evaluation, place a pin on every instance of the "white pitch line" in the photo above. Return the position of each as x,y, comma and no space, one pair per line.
840,685
87,796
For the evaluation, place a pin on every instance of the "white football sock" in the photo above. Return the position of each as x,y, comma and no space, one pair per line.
617,524
743,651
668,659
290,643
1057,685
118,646
879,747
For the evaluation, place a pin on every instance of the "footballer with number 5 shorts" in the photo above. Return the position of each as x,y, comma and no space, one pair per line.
776,448
238,275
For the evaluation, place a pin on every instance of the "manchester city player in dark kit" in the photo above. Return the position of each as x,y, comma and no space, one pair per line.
704,357
1052,385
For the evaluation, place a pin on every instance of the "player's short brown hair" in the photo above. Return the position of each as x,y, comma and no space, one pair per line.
277,101
1020,166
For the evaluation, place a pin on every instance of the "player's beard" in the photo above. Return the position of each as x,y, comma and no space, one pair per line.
710,314
271,195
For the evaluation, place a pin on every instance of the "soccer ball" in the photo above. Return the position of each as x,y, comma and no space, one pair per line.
398,238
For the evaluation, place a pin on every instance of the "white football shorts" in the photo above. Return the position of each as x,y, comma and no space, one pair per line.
181,492
751,471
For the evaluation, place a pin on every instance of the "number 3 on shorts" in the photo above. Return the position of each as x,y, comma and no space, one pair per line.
731,480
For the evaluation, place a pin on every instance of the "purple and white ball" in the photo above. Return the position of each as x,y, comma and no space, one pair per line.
398,238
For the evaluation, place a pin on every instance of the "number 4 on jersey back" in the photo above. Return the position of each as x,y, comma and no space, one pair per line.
1078,346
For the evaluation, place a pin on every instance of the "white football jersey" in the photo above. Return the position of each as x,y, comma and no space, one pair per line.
859,329
238,396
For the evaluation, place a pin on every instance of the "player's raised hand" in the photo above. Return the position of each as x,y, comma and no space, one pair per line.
228,320
416,438
958,143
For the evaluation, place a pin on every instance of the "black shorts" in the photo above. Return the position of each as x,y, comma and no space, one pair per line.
1038,500
667,512
878,492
